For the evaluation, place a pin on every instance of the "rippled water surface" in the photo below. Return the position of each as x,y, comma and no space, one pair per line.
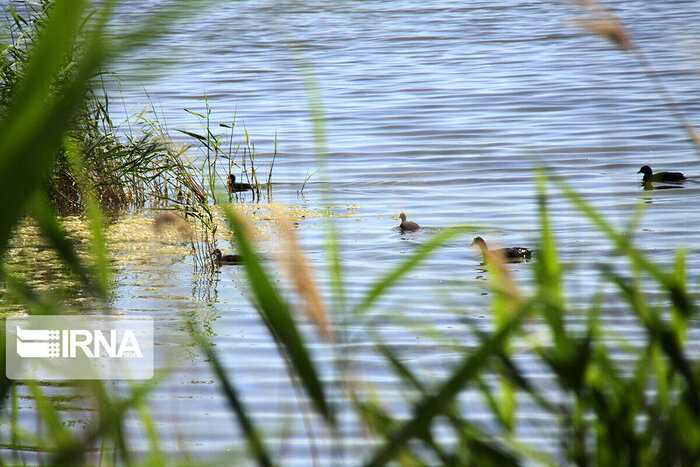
437,109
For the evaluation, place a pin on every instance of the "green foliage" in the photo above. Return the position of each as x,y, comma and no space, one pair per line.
221,152
278,317
255,442
44,86
121,168
639,413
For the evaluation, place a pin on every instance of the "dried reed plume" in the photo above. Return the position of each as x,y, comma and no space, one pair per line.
295,265
172,220
605,24
608,28
507,286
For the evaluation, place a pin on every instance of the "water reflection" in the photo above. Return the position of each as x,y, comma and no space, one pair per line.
204,287
648,186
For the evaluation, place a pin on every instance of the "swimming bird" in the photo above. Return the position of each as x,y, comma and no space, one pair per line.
649,176
511,255
233,186
407,225
227,259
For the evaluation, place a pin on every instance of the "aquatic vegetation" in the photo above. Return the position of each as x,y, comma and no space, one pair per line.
135,164
122,169
221,153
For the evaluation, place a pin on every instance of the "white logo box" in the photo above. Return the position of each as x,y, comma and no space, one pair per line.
64,347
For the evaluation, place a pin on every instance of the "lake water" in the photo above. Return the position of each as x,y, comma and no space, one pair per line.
437,109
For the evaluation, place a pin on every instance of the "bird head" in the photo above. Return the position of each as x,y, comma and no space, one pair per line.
478,241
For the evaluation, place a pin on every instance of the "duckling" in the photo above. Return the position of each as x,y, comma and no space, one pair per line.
407,225
222,259
649,176
510,255
233,186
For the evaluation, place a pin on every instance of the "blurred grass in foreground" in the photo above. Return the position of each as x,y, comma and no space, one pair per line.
642,411
645,412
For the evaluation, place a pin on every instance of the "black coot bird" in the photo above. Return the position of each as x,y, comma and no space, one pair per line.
511,255
233,186
227,259
649,176
407,225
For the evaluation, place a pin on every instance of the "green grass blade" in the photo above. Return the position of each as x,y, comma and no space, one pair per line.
5,382
56,235
399,272
98,241
58,433
676,290
318,120
476,442
25,157
111,410
399,368
155,454
664,336
255,443
278,317
679,318
36,303
431,406
548,269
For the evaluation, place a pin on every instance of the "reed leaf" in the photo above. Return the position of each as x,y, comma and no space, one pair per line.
390,279
98,241
548,270
470,437
255,444
663,336
430,406
112,413
58,433
278,317
318,120
36,110
57,237
676,291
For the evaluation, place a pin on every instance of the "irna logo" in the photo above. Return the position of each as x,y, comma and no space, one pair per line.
45,343
79,347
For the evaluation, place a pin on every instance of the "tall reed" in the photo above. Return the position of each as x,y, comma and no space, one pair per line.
221,153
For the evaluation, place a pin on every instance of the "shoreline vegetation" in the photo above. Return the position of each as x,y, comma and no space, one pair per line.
61,151
137,164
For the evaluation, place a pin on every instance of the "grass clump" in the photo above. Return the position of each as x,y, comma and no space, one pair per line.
221,154
134,164
128,166
122,170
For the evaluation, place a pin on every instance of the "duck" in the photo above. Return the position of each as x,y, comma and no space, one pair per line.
511,255
223,259
233,186
649,176
407,225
